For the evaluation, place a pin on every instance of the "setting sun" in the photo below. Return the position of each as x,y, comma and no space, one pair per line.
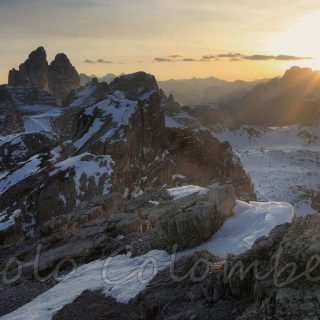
299,39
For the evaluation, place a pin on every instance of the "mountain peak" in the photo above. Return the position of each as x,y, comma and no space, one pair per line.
40,50
135,85
298,72
59,78
61,57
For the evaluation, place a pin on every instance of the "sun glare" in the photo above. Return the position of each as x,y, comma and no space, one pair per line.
300,39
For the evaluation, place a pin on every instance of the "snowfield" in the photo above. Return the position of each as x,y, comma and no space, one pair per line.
283,163
101,275
250,222
42,119
123,277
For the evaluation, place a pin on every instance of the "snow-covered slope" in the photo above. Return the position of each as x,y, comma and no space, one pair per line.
283,162
41,121
122,277
118,277
250,222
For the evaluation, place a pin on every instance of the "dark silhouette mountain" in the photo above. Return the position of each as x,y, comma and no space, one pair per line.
293,98
34,71
58,78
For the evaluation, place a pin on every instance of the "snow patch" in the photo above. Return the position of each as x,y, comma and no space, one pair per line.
184,191
41,122
117,106
95,127
171,123
90,277
88,165
27,169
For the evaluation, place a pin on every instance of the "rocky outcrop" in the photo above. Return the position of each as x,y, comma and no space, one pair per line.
63,77
21,147
21,108
198,152
279,280
284,286
10,119
130,121
102,224
192,220
59,78
33,72
43,188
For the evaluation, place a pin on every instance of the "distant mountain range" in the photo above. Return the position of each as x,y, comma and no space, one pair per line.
85,79
196,90
209,90
293,98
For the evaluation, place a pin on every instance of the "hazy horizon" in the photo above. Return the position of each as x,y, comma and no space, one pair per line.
172,40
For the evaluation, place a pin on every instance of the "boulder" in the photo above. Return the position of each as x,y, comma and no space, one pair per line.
192,220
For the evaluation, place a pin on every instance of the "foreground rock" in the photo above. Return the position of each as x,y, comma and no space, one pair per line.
285,286
191,221
93,228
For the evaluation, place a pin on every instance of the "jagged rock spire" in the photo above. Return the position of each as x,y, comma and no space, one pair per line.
59,78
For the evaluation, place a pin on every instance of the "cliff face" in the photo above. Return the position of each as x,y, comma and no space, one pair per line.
33,72
130,125
58,78
63,77
119,143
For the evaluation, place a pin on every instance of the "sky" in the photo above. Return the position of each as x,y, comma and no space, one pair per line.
171,39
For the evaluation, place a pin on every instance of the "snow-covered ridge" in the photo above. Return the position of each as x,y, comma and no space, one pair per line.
93,167
117,107
30,167
95,127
